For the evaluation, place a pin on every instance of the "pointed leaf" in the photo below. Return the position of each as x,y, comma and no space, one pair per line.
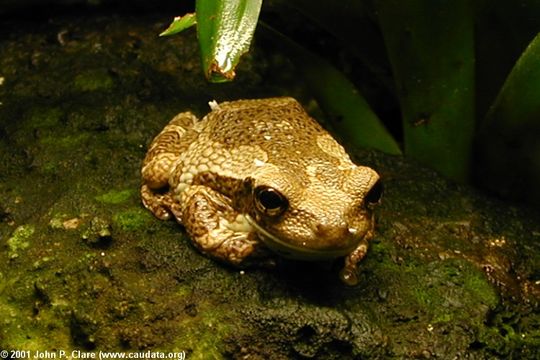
430,45
225,29
507,143
179,24
518,103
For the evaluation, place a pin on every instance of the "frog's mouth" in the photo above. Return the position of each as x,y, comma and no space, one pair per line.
292,251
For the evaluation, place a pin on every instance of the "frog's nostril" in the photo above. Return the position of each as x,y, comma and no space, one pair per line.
329,231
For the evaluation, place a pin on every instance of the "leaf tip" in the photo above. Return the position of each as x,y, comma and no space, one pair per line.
179,24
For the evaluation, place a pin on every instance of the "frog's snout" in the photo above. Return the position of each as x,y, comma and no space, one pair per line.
336,236
330,231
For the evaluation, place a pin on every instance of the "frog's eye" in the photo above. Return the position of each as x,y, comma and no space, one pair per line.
269,201
374,194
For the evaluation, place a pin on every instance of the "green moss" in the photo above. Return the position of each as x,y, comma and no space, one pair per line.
19,239
19,331
66,141
508,332
384,252
132,219
446,292
204,334
43,117
98,79
50,167
427,298
184,290
442,318
115,197
476,284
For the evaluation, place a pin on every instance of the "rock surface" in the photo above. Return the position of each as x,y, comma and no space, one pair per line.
451,273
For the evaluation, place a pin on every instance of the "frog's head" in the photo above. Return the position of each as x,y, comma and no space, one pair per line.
322,213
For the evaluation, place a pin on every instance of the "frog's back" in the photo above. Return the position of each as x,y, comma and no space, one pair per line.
278,126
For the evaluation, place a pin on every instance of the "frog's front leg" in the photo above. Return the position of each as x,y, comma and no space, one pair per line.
218,230
160,160
349,273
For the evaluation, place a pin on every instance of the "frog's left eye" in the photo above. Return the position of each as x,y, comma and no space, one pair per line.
374,195
270,201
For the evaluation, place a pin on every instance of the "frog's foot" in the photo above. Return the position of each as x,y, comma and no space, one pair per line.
349,273
218,231
161,205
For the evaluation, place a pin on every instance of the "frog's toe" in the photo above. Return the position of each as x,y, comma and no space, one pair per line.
349,276
156,203
159,211
162,213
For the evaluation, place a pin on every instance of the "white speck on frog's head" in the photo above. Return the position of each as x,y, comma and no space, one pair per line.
259,162
213,105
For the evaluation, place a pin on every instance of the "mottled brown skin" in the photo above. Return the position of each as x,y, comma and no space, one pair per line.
254,175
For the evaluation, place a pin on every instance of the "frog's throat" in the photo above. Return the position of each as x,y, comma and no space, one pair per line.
289,250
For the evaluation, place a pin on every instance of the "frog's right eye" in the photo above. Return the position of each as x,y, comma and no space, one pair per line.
269,201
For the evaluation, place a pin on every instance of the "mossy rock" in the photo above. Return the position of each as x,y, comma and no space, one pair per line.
451,273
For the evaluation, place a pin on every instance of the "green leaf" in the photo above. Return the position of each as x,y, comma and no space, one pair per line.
518,102
225,29
430,45
507,143
338,97
511,28
179,24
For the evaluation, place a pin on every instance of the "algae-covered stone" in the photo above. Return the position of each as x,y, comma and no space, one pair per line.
66,141
132,219
92,80
204,335
20,240
43,117
116,197
449,274
98,232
